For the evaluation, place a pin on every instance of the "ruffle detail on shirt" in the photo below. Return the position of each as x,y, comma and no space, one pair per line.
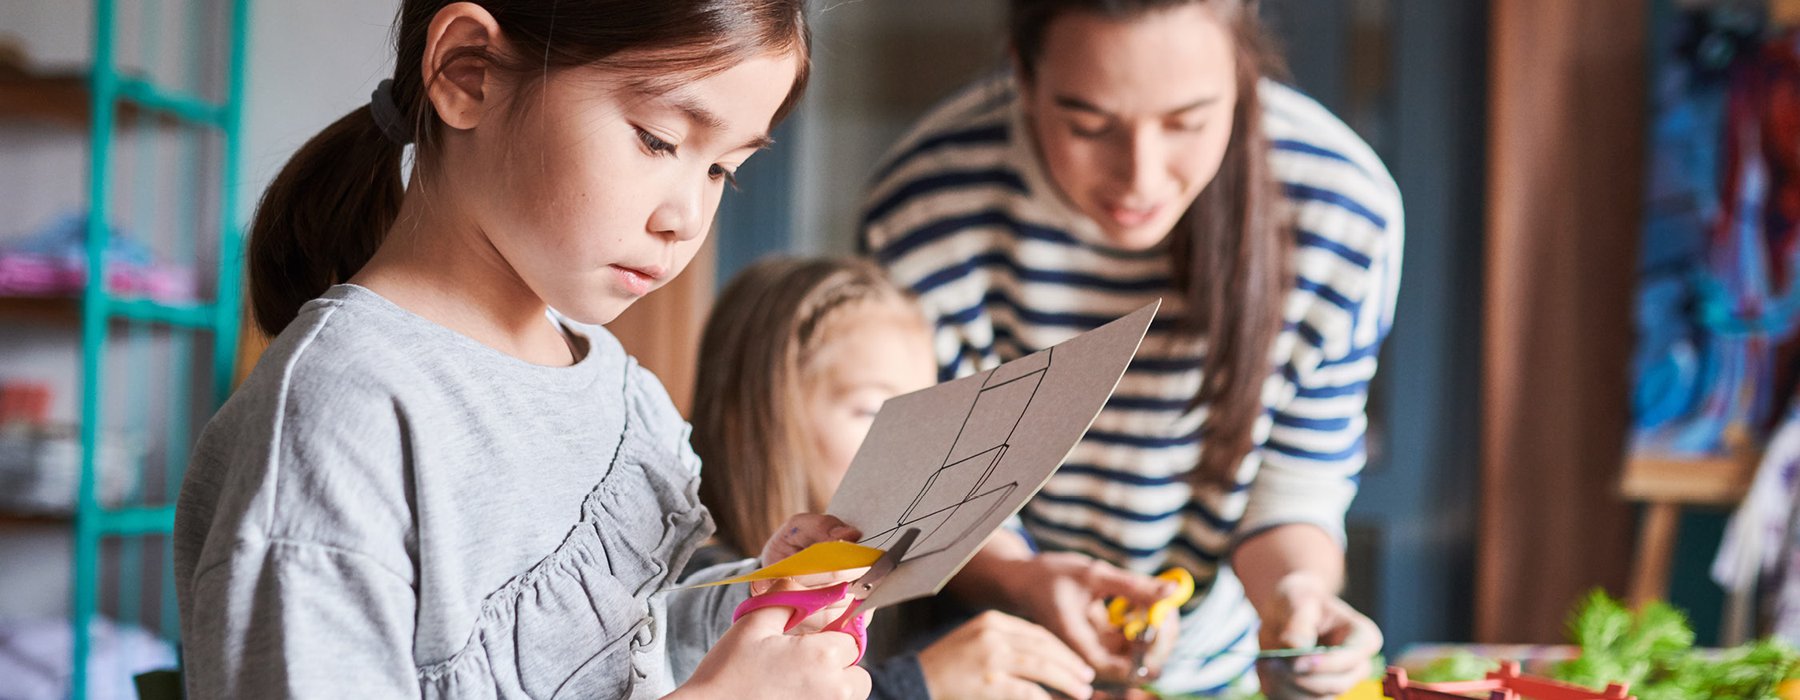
578,623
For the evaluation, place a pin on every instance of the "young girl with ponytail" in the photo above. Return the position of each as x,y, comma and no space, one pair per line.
444,478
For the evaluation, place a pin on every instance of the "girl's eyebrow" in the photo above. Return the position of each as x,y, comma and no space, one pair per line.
699,114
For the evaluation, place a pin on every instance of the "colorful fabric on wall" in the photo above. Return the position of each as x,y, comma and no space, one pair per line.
1721,255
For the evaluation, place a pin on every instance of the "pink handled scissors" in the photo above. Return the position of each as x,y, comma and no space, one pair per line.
810,601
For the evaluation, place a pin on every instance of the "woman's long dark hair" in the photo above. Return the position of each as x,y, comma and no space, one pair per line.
328,210
1231,248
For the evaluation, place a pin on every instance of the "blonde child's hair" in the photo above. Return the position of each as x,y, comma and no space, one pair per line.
758,344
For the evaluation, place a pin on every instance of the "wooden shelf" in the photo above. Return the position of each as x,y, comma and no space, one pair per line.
60,99
35,519
1720,480
66,310
57,99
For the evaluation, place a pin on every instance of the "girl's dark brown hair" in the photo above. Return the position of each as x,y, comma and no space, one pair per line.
329,208
754,360
1231,248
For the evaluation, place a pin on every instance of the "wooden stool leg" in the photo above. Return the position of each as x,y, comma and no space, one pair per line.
1655,553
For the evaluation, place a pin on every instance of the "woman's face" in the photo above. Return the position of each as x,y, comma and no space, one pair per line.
1132,116
600,193
872,352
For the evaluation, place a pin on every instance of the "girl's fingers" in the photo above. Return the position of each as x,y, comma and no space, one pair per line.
1038,656
1039,642
1083,638
763,622
1280,683
832,650
1065,680
803,530
1016,689
855,683
1165,642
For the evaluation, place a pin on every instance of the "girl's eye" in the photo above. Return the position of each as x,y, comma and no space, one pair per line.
657,146
719,172
1188,126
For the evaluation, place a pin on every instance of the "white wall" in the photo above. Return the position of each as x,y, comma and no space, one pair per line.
877,66
310,63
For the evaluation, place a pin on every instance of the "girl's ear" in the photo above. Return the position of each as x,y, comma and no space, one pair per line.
460,48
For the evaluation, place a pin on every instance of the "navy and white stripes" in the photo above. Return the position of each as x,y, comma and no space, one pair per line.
963,215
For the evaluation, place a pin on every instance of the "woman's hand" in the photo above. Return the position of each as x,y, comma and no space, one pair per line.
1003,657
1305,612
1067,593
756,659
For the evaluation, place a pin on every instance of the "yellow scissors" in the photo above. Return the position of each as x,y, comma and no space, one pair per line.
1140,624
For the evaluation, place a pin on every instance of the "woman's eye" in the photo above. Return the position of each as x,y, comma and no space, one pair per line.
1188,126
656,145
1088,132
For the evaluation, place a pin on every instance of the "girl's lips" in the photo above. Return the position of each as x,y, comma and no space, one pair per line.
637,281
1131,216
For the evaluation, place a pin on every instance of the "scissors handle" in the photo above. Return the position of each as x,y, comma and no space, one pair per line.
1135,620
806,602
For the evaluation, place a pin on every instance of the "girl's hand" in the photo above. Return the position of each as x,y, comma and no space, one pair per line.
1067,592
1306,613
799,532
805,530
997,655
756,659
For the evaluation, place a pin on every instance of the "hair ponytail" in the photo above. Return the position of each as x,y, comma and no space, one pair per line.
323,217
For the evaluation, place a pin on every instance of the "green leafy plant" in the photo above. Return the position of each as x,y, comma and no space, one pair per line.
1459,666
1652,649
1618,646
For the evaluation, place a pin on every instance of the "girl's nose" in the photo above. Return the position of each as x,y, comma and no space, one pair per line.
680,215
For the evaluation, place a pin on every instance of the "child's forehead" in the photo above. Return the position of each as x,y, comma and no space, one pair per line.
870,338
864,314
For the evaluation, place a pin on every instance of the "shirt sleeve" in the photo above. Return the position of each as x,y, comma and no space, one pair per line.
1316,450
286,619
898,678
698,617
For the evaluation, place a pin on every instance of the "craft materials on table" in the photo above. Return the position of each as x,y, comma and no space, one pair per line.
943,467
1140,624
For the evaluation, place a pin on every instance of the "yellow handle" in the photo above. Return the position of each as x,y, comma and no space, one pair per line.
1134,621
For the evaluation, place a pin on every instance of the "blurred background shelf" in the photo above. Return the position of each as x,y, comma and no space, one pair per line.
41,309
34,519
62,99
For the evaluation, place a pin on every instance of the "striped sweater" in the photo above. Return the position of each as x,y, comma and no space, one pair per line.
962,214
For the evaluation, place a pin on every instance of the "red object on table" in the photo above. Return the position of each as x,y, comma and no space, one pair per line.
1503,684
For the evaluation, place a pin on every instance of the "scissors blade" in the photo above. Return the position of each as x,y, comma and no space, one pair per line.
1140,648
883,566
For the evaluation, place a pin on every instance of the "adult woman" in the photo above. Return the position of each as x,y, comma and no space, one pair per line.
1137,151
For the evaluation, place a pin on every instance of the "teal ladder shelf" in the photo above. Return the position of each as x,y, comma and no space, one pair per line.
110,91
